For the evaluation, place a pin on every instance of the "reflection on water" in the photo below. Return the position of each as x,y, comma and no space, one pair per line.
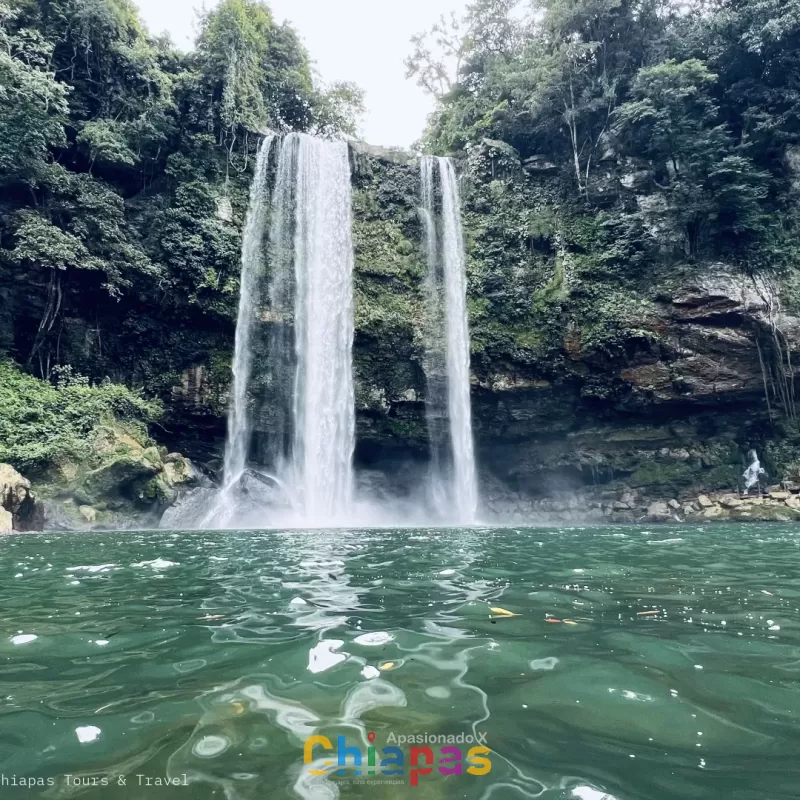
641,663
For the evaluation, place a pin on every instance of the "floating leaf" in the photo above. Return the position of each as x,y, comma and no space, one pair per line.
570,622
551,619
386,666
647,613
502,612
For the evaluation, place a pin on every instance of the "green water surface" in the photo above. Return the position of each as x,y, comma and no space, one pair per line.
188,655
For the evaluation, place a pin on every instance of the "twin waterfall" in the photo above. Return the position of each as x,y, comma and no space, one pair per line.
454,483
294,342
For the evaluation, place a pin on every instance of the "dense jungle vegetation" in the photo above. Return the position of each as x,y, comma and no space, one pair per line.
617,151
124,168
612,148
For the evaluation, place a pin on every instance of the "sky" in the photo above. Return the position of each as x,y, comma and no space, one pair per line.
364,41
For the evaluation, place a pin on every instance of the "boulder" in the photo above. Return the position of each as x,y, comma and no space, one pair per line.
6,521
261,491
19,501
731,501
66,515
190,510
704,501
181,472
659,509
116,476
712,512
780,495
674,504
88,513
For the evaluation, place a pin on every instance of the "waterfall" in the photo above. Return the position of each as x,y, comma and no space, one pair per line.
447,344
324,396
239,427
305,321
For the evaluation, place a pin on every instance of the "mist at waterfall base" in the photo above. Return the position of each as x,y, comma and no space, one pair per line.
292,365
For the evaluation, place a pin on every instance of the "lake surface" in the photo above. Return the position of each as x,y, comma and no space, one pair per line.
673,670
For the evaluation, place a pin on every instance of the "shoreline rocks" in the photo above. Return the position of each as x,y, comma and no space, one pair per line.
20,509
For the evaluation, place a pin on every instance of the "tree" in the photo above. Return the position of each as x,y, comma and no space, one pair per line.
337,109
710,186
33,104
438,56
231,50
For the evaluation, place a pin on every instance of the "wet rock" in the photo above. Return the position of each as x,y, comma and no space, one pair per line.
713,512
189,511
704,501
262,491
114,477
6,521
19,501
674,504
731,501
88,513
659,509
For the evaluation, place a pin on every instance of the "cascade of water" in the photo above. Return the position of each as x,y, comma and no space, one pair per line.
280,351
752,475
448,342
309,308
435,362
324,396
238,442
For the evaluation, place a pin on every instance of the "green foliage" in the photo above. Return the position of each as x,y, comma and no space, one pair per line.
42,244
44,424
231,50
710,187
33,104
337,109
105,141
125,167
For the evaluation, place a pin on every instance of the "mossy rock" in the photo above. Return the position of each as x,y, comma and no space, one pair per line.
113,478
156,491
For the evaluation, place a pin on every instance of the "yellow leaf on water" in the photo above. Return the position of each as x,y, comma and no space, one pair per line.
386,666
569,622
238,707
502,612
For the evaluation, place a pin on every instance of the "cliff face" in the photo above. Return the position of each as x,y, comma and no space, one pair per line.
598,364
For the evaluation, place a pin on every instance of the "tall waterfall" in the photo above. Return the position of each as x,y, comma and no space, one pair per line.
239,428
304,320
448,354
324,397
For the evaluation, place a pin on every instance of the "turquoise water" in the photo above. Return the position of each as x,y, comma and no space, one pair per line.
187,655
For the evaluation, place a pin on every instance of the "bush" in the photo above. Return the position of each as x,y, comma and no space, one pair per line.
43,423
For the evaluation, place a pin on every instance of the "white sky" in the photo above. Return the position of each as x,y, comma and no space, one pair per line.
357,40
